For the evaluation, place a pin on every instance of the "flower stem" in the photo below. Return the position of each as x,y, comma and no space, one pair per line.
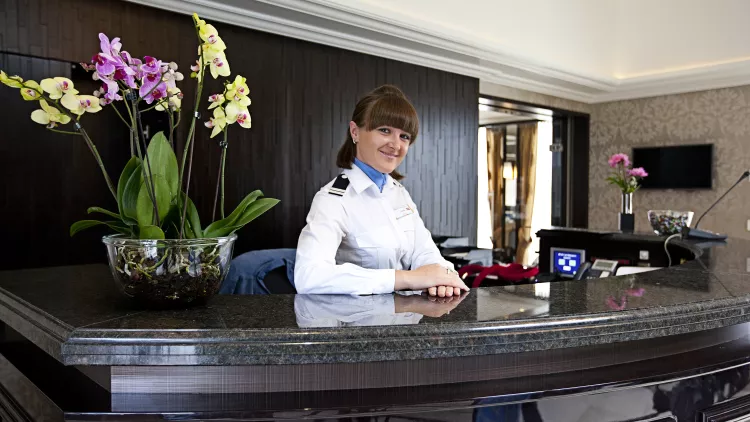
150,108
191,135
98,158
223,165
150,179
66,132
171,128
120,115
89,143
220,178
134,133
187,187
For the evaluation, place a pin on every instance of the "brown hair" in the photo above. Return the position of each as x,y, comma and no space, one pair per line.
383,106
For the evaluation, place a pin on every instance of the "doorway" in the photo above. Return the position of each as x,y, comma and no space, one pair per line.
532,174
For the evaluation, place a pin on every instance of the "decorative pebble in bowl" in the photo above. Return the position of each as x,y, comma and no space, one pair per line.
667,222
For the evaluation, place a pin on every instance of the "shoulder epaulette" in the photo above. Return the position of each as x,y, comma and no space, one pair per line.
339,185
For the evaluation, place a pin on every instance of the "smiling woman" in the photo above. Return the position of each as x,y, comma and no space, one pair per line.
363,233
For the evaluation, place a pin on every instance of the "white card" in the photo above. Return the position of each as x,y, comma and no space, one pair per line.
403,212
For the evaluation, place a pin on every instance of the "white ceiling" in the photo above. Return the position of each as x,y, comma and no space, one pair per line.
585,50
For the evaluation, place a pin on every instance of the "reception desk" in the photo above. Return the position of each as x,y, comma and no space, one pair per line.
671,344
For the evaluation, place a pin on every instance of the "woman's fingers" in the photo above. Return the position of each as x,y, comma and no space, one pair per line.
459,284
432,291
457,291
441,291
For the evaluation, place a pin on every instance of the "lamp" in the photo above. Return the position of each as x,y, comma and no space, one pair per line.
509,170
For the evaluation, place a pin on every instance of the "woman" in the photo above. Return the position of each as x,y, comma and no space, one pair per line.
363,233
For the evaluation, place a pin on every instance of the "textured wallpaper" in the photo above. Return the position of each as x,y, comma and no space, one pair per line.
720,117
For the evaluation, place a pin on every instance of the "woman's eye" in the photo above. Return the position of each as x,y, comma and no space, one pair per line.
406,137
384,130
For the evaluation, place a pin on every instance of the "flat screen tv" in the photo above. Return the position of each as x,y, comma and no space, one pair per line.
678,167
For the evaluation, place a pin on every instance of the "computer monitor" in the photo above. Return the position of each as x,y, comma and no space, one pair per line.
566,261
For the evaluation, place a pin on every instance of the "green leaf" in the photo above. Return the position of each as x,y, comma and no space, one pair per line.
132,166
192,217
144,206
103,211
130,194
163,162
85,224
253,211
151,232
232,218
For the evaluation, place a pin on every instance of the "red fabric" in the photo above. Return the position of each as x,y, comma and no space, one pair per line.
511,272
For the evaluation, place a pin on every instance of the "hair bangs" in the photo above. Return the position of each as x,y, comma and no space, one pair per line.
394,111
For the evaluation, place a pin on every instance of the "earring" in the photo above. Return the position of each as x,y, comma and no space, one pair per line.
355,141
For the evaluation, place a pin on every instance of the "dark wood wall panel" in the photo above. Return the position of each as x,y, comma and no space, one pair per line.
303,94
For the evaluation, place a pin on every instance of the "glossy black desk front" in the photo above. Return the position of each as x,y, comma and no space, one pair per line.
73,349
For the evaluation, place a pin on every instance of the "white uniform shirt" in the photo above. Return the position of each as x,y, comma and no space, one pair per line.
352,244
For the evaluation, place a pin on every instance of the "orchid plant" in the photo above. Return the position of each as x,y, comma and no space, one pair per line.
151,192
624,175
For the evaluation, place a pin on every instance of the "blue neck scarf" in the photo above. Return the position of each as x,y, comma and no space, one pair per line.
377,177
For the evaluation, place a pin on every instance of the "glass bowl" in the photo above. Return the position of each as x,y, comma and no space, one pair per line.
169,273
668,222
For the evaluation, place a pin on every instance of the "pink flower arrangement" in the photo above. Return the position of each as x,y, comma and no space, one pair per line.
617,159
637,172
623,175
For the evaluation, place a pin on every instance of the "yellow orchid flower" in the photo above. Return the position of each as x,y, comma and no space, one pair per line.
174,99
238,88
198,21
218,122
11,81
57,87
31,91
217,62
49,115
242,101
79,104
239,114
210,36
216,100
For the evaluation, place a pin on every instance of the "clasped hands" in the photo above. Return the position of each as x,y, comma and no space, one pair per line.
435,279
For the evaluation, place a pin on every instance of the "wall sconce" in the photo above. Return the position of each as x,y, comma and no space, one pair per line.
509,170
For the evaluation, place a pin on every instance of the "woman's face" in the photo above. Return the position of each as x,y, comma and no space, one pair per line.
383,148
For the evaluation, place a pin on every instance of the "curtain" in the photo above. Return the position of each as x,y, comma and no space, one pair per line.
495,174
527,142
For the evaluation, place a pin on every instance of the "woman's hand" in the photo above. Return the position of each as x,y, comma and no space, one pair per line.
433,278
444,291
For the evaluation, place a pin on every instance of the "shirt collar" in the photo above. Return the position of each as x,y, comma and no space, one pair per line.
380,179
361,181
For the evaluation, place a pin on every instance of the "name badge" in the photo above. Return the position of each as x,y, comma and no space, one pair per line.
403,212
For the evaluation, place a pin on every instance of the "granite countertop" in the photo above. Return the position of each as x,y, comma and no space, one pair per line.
77,316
